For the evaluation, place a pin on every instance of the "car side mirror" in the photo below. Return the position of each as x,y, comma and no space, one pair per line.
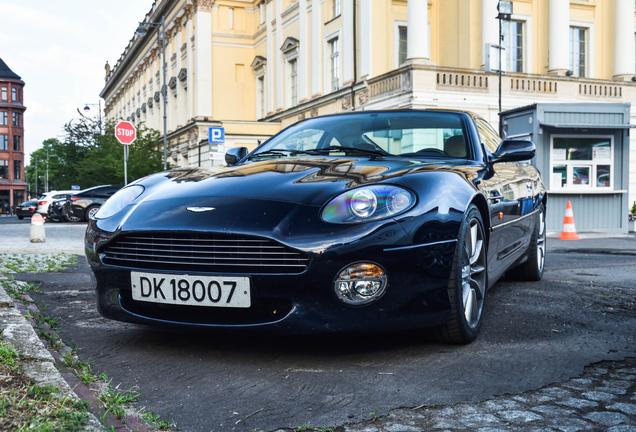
234,155
514,151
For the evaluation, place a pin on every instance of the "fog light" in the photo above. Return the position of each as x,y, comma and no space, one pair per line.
360,283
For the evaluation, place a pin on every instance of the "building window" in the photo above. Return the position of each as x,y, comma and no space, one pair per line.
4,93
577,51
402,45
581,162
335,64
335,8
4,142
4,169
3,118
17,169
16,143
513,42
293,81
16,119
14,94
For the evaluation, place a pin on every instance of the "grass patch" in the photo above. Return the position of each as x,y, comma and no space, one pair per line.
35,263
24,405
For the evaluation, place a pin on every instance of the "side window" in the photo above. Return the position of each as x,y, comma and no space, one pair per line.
488,136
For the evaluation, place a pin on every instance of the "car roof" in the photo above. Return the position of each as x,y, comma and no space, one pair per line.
410,110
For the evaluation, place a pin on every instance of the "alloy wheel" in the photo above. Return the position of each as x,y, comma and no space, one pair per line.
91,212
541,242
473,273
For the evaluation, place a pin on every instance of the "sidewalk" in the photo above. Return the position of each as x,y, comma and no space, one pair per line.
595,243
60,237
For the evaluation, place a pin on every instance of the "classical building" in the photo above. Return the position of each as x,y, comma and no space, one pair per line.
256,66
12,183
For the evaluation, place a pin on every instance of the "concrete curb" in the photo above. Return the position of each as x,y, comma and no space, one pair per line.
19,332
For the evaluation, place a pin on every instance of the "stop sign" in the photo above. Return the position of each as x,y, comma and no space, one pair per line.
125,132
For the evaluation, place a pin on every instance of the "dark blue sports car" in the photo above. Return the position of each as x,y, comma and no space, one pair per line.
372,221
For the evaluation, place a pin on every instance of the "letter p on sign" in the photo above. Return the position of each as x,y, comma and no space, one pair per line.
216,135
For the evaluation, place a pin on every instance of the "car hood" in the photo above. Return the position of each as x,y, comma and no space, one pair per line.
309,181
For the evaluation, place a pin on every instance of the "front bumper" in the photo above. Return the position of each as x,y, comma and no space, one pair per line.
297,303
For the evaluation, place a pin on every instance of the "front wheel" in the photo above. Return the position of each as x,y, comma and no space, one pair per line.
20,217
468,282
90,212
71,217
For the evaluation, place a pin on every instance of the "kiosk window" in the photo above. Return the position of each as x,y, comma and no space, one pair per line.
581,162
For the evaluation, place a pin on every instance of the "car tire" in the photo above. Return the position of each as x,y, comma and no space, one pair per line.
90,212
532,269
72,218
468,282
20,217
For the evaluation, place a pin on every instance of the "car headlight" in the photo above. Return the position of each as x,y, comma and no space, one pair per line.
118,201
368,203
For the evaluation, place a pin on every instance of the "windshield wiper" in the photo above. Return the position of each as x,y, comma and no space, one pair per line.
277,152
344,149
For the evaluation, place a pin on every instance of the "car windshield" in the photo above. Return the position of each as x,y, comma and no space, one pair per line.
391,133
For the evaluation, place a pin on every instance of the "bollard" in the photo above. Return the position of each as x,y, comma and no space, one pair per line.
37,229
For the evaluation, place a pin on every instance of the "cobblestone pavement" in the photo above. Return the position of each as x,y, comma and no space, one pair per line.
602,399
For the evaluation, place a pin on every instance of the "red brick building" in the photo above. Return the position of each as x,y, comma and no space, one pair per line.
12,179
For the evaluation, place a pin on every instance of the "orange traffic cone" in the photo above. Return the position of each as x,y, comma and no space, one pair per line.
569,232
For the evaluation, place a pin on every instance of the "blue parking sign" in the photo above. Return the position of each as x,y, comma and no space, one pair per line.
216,135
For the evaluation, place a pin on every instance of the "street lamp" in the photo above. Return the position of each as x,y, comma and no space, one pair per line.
142,30
505,11
87,108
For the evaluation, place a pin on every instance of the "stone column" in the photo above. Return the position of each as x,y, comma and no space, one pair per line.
269,74
316,48
202,63
559,37
624,60
347,43
366,40
417,32
302,51
280,69
489,26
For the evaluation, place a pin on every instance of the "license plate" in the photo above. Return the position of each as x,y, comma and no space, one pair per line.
218,291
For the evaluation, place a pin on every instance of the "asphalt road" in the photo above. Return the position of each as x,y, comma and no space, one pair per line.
534,334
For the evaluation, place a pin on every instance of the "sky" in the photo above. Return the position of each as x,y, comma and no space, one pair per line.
59,49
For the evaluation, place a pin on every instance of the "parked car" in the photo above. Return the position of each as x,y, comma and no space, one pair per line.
82,205
5,207
26,209
56,211
44,202
372,221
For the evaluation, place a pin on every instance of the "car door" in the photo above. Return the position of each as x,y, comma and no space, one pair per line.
493,188
516,202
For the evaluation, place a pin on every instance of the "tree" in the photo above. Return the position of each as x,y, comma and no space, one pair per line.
87,157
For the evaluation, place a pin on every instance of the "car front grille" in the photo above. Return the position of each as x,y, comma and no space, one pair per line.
203,252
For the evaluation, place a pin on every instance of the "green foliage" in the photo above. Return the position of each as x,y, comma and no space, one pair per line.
88,156
8,354
632,212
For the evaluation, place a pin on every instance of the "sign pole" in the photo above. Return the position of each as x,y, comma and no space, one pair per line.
125,164
126,134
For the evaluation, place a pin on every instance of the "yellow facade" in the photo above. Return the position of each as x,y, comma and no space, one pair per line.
226,66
